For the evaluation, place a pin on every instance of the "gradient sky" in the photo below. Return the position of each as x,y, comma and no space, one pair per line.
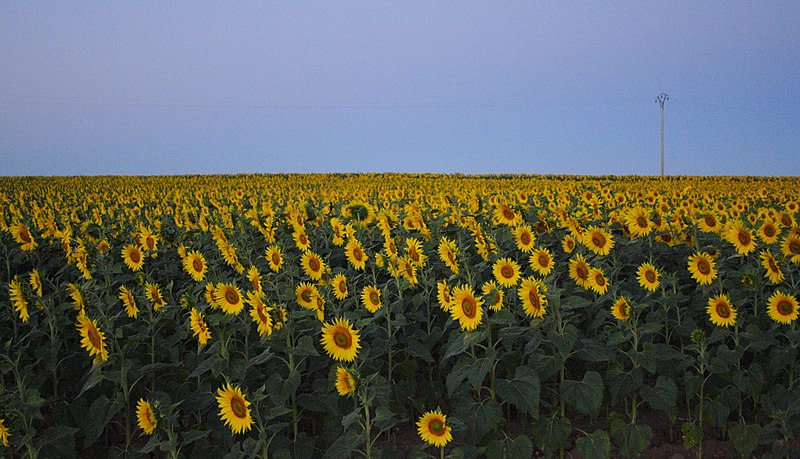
562,87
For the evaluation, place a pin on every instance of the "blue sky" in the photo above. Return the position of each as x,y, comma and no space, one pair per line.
562,87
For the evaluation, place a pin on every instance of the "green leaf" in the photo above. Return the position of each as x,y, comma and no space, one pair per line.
260,358
416,349
290,384
305,346
593,350
384,418
508,448
479,369
101,412
586,395
565,343
480,418
594,446
716,412
622,383
456,346
457,375
631,438
662,396
522,391
551,433
194,435
94,378
744,438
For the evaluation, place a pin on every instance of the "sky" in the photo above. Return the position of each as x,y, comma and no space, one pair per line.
534,87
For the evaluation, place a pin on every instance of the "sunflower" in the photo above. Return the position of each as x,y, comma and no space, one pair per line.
524,238
466,308
306,295
638,223
128,301
790,247
506,272
146,416
132,257
77,298
448,252
597,281
541,261
301,240
345,381
390,247
579,270
340,340
407,269
568,243
782,308
444,296
530,293
505,215
210,289
354,252
336,226
621,309
229,298
769,232
313,265
740,237
153,293
720,311
371,297
274,257
648,276
709,223
255,279
598,240
18,299
147,240
199,327
195,265
4,434
92,339
36,282
260,313
23,236
493,293
433,429
339,283
703,268
414,252
234,409
774,272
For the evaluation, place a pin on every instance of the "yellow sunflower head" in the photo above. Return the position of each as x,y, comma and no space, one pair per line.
371,298
598,240
493,295
506,272
345,382
354,252
541,261
340,340
703,268
621,309
782,308
648,276
339,283
234,409
132,257
146,416
274,257
530,293
195,265
229,298
92,339
466,308
720,311
433,429
313,265
524,238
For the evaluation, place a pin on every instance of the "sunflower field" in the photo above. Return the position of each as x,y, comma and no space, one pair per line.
394,315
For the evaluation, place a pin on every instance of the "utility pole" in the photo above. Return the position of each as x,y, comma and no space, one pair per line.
660,100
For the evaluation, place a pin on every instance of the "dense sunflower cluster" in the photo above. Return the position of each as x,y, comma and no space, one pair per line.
304,272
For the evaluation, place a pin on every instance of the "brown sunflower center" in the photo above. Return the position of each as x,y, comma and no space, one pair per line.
358,255
599,279
313,264
743,237
342,338
342,286
303,239
650,276
197,264
451,257
769,230
150,242
794,246
238,407
508,214
276,258
598,240
772,266
261,316
469,307
703,267
24,235
374,297
582,272
231,296
525,238
507,271
533,297
785,307
543,260
134,256
642,222
436,427
723,310
711,221
306,295
786,220
94,337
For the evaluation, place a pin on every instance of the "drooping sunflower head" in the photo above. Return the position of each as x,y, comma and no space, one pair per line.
415,252
720,311
128,301
530,293
433,429
506,272
444,296
4,433
345,382
648,276
260,313
92,339
234,409
371,298
466,308
773,270
255,279
493,294
146,416
703,268
199,327
340,340
621,309
36,282
447,253
782,308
